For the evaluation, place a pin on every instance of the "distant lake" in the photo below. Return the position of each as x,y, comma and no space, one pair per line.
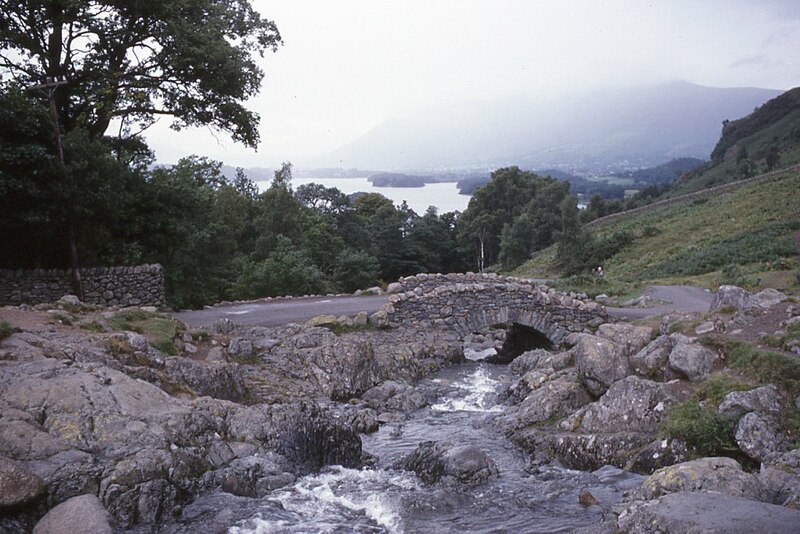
444,196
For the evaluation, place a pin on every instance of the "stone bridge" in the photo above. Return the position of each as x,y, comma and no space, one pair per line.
472,302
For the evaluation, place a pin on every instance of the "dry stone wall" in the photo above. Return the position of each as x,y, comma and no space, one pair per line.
142,285
470,302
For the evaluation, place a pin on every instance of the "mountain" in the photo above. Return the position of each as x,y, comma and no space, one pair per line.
766,139
607,129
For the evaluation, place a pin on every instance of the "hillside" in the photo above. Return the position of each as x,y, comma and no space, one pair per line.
768,137
730,236
609,129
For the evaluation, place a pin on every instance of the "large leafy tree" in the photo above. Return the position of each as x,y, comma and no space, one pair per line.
133,60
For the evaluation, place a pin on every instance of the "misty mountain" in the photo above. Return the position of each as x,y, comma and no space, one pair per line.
606,129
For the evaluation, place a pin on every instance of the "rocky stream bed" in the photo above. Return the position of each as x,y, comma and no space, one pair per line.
354,428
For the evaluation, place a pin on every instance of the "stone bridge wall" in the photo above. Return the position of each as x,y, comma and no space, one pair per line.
471,302
142,285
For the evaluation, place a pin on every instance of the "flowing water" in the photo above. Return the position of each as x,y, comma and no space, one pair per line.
380,499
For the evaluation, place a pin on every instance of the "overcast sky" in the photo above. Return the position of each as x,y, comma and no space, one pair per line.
346,65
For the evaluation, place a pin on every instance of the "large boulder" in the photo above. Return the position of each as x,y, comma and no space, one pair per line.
780,474
730,296
691,360
632,338
759,435
434,461
765,399
540,359
632,404
557,395
600,362
83,514
218,380
723,475
651,360
709,513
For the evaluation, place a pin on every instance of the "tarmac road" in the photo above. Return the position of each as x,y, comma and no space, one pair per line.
283,311
673,298
298,310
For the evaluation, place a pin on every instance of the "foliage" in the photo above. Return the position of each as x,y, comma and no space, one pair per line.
5,329
697,423
158,330
133,61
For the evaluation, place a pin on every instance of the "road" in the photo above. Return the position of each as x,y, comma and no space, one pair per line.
283,311
298,310
675,298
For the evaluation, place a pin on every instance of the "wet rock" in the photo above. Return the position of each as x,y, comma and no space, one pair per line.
765,399
252,476
723,475
709,513
759,435
632,404
433,461
600,362
362,420
558,396
83,514
18,486
631,338
691,360
391,396
585,452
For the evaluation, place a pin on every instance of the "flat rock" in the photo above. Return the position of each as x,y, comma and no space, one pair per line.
707,513
723,475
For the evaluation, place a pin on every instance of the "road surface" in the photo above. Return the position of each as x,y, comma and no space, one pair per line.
674,298
298,310
283,311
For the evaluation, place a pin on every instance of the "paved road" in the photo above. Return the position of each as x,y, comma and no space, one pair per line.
283,311
675,298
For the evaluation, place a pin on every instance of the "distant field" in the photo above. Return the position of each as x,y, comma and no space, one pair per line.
611,180
752,227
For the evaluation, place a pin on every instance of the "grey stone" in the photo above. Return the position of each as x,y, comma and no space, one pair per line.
765,399
707,513
83,514
723,475
651,361
759,435
18,486
730,296
434,461
558,396
632,404
632,338
691,360
768,298
600,362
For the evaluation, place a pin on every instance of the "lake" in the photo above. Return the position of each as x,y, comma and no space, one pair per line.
444,196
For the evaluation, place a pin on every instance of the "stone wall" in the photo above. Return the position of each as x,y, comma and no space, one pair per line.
471,302
142,285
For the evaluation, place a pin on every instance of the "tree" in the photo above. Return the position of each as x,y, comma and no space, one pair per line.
135,60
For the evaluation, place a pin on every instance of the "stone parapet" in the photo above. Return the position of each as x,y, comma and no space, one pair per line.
141,285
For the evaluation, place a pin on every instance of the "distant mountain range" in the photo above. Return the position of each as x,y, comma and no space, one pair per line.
613,129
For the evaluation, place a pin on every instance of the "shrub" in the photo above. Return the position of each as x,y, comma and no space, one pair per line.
5,329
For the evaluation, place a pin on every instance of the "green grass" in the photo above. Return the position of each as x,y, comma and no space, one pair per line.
697,423
5,329
159,330
752,227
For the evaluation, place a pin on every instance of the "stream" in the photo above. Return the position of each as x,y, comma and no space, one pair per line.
380,499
